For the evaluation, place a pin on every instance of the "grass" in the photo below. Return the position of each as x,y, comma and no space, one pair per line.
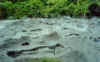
47,8
45,59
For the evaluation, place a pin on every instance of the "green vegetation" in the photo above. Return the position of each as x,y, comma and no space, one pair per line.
45,60
46,8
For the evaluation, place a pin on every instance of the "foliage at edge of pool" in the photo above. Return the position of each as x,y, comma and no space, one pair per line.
45,59
47,8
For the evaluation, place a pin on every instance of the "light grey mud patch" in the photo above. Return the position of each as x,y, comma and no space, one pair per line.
74,56
73,40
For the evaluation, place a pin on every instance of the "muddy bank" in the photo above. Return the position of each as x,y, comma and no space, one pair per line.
71,39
